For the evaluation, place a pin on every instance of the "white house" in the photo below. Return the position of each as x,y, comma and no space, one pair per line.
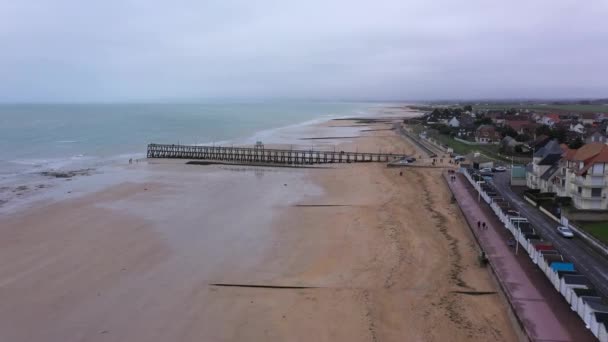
578,128
454,122
583,175
544,165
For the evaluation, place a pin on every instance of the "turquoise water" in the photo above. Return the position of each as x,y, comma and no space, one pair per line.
36,138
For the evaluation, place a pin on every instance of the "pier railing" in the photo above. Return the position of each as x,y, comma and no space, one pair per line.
264,155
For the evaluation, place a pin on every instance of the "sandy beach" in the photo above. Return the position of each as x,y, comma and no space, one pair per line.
351,252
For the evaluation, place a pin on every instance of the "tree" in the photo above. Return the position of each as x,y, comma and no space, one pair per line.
508,131
443,129
576,143
467,108
522,137
543,130
560,134
519,149
483,121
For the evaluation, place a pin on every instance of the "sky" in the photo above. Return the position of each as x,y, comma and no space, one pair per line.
136,50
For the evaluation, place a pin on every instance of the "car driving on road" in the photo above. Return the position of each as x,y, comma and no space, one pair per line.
565,232
499,169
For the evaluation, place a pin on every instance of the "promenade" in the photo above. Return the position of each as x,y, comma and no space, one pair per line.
542,313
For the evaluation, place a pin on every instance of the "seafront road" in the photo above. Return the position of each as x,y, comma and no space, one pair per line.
541,311
587,261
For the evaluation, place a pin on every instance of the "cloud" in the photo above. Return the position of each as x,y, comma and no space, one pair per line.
69,50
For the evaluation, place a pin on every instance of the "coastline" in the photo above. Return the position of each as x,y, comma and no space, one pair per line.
88,174
384,256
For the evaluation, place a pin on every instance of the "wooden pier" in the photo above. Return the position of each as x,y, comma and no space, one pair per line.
265,156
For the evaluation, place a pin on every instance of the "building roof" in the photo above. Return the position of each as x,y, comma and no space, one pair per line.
520,124
585,152
550,171
486,128
589,154
552,147
554,117
550,159
540,141
588,116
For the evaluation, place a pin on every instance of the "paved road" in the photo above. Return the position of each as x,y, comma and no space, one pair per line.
430,151
588,262
541,311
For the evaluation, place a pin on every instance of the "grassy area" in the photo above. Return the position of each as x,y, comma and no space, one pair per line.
489,150
597,229
462,148
549,107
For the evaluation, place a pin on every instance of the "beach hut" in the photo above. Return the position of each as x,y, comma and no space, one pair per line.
582,304
543,246
531,245
560,267
599,326
570,281
591,307
577,294
514,224
528,237
557,278
545,261
542,255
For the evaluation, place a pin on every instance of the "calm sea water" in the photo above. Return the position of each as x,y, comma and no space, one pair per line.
35,138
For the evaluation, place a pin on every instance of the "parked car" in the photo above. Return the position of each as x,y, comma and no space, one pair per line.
459,158
499,169
486,170
565,232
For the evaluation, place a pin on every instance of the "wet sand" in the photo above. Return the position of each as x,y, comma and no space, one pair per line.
382,254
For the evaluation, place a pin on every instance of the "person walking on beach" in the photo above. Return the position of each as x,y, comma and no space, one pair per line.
478,224
483,226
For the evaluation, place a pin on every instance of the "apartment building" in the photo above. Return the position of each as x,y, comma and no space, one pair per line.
583,175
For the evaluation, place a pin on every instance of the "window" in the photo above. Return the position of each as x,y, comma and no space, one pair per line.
563,182
596,192
580,190
598,169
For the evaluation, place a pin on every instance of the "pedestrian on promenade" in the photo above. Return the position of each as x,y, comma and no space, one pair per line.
483,225
478,224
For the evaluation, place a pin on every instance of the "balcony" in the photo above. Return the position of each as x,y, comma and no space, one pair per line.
590,181
587,202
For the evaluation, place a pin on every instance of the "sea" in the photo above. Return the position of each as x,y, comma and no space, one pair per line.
38,138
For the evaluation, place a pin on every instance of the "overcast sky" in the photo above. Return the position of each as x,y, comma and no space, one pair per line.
124,50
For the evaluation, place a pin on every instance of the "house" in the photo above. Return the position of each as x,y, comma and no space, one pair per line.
467,121
549,119
522,126
545,162
587,118
454,122
487,134
596,136
479,161
539,142
497,117
583,176
577,127
467,126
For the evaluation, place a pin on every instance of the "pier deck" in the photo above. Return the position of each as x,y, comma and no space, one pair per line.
263,155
